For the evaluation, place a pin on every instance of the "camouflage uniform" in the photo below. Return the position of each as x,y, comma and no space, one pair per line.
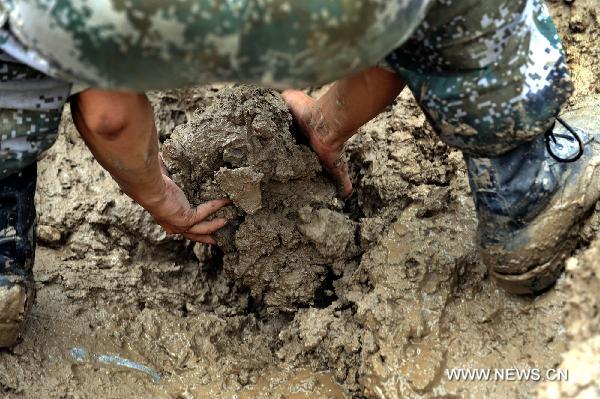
489,75
164,44
30,109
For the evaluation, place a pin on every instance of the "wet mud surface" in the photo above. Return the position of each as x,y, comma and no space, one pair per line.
287,230
310,297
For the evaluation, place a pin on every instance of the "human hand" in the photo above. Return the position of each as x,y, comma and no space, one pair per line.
175,214
119,129
325,141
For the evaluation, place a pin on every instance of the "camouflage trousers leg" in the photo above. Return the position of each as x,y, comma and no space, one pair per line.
30,110
31,105
491,77
488,75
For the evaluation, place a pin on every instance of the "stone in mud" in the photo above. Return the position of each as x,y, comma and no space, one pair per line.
12,311
289,229
48,235
242,185
330,231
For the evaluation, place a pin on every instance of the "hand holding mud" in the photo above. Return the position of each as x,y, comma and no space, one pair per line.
119,129
327,144
335,117
175,214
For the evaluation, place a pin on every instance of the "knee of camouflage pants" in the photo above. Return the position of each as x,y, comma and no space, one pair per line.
489,76
31,106
17,251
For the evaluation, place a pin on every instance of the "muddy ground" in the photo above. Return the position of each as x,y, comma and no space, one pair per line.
377,307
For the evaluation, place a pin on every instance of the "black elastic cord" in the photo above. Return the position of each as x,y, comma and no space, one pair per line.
550,135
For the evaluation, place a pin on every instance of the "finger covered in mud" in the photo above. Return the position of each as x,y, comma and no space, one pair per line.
207,220
207,227
206,209
339,174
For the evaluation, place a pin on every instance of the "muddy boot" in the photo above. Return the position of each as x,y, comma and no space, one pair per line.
17,248
532,200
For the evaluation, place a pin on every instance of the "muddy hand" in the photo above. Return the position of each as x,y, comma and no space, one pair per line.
322,138
175,214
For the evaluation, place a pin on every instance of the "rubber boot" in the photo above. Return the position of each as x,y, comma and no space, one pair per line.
532,200
17,250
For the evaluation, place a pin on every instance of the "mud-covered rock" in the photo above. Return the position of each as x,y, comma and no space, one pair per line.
289,226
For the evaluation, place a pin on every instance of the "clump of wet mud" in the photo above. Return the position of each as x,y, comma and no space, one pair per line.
288,232
383,324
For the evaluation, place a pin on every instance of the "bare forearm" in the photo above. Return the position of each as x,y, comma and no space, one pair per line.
124,140
119,129
353,101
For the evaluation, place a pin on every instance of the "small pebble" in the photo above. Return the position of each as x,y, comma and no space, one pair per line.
48,235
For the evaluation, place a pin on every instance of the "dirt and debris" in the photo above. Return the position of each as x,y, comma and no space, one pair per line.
310,297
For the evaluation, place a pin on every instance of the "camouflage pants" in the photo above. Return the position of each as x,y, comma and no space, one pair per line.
31,105
489,75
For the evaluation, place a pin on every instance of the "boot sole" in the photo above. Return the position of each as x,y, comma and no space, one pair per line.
538,278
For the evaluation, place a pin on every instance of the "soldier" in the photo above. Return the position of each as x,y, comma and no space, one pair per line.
51,51
490,77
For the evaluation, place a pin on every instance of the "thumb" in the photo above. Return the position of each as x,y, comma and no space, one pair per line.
298,102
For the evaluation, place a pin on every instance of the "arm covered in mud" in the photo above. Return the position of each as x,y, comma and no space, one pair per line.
119,129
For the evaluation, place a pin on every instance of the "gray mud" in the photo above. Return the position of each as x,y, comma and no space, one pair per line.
310,297
287,231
